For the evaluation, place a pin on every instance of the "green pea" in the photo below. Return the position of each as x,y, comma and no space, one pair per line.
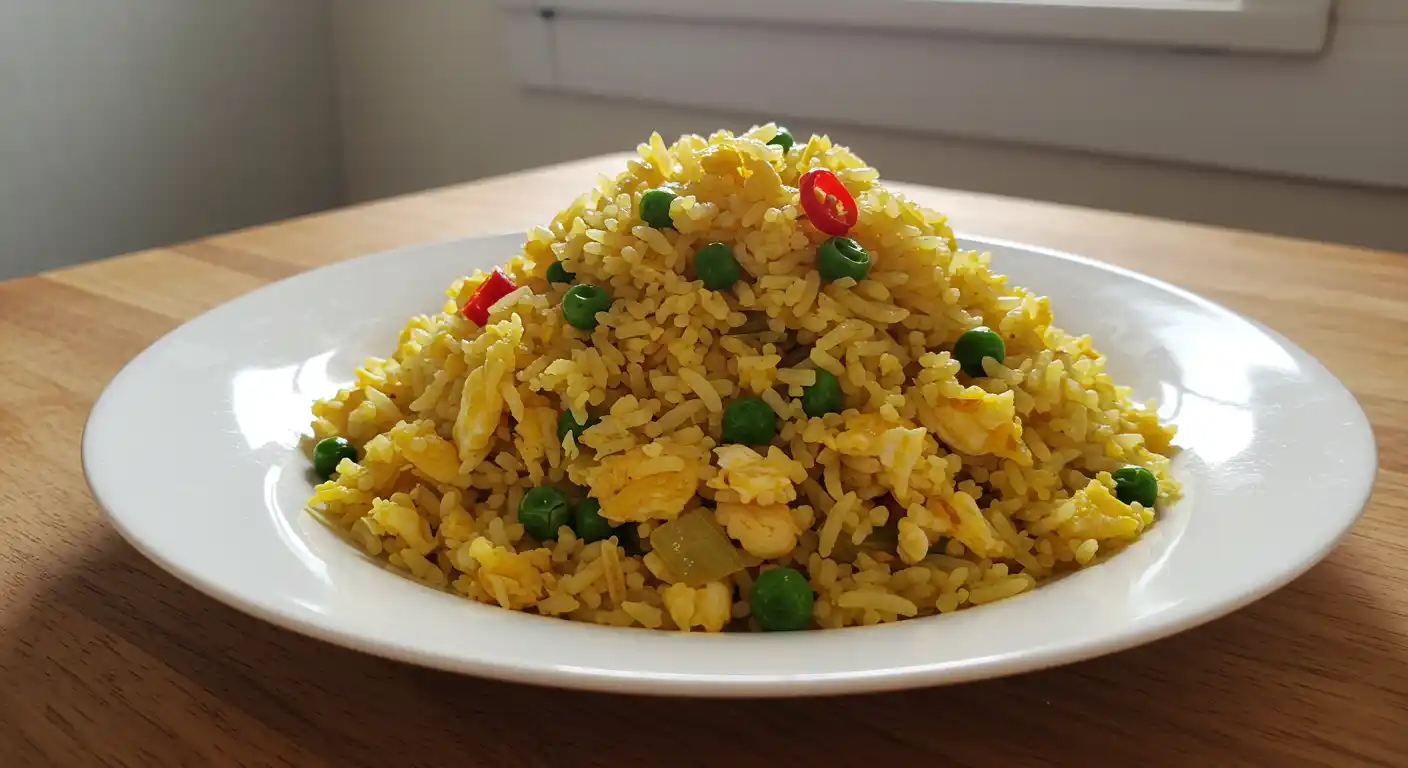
559,274
750,421
824,396
542,511
781,600
581,303
328,453
842,257
974,345
655,208
1136,484
716,266
588,523
568,423
783,139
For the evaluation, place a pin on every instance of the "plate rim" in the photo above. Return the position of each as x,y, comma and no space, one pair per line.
715,686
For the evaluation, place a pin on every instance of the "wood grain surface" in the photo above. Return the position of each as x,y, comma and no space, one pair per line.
106,660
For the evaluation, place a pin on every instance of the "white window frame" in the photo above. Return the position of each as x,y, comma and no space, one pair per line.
1338,115
1279,26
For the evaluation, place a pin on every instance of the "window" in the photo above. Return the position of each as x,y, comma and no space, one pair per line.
1255,85
1283,26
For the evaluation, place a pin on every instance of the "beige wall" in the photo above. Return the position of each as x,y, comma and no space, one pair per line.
127,124
426,100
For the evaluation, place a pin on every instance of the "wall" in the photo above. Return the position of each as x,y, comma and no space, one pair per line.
126,124
426,99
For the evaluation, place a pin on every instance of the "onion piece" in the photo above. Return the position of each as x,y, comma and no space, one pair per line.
694,550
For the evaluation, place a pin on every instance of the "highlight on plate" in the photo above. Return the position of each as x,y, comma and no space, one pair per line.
742,385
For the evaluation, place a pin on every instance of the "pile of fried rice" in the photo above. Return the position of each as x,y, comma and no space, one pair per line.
930,492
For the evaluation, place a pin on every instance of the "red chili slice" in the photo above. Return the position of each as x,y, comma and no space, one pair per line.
826,202
495,287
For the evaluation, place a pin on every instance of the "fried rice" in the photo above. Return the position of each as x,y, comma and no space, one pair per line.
930,491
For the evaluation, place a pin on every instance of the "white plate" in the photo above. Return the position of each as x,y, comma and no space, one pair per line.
192,452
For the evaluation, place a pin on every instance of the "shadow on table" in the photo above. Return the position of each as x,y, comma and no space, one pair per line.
122,660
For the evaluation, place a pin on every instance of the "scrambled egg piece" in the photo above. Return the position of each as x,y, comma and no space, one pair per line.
768,531
1157,437
508,576
863,434
535,438
749,477
707,607
397,517
482,402
1099,515
649,482
433,455
899,447
900,450
969,526
979,422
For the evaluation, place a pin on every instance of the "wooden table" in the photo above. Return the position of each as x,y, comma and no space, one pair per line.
104,659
